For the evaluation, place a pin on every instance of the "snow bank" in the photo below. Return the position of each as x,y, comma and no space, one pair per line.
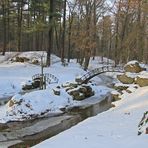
115,128
36,103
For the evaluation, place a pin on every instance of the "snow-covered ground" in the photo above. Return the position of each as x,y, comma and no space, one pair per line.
115,128
22,107
13,74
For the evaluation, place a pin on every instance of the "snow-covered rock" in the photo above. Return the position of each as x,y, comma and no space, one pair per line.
36,104
134,74
125,79
142,79
133,66
80,92
115,95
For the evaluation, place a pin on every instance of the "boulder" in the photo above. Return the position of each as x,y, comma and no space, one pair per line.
56,92
76,95
36,83
83,89
79,97
73,93
75,85
121,87
142,81
115,96
27,87
133,66
67,84
21,59
78,80
10,103
125,79
35,61
128,91
81,92
68,89
88,91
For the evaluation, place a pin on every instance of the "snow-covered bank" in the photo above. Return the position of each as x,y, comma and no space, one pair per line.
117,127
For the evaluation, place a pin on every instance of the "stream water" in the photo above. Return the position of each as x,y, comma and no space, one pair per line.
29,133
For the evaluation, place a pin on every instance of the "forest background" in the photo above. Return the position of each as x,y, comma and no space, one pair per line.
77,29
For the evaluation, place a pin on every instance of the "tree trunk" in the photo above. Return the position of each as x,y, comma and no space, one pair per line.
19,19
50,32
69,38
94,36
63,33
4,26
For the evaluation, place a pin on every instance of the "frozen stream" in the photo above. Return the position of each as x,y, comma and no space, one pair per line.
29,133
